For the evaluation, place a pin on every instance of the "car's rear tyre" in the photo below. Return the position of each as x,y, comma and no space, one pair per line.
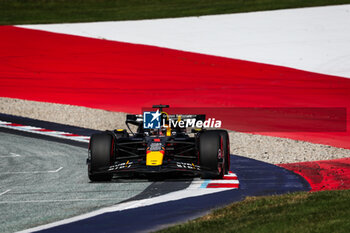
226,148
210,154
101,154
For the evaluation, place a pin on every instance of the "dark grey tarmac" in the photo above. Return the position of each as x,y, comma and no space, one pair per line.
43,181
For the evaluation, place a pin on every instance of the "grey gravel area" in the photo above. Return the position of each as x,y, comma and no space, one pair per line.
282,150
265,148
64,114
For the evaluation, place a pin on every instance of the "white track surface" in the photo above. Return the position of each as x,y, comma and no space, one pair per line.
314,39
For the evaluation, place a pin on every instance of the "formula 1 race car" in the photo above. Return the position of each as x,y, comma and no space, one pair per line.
161,144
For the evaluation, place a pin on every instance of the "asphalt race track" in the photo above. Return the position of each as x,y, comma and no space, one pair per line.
256,178
44,179
47,181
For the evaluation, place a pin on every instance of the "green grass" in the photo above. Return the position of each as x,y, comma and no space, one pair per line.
327,211
58,11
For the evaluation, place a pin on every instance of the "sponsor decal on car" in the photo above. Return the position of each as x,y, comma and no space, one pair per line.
188,166
220,154
120,166
155,146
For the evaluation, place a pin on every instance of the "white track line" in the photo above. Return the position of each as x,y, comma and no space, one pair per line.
66,200
57,170
231,175
34,172
217,182
12,155
5,192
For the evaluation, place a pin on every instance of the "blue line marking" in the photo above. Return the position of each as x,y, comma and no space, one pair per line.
205,184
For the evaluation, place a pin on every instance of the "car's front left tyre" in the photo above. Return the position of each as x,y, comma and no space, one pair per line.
101,155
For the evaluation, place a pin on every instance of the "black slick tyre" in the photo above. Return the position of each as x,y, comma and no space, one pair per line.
210,154
101,153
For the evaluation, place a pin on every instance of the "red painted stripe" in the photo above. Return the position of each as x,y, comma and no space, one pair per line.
43,130
323,175
230,178
218,185
14,124
71,135
115,76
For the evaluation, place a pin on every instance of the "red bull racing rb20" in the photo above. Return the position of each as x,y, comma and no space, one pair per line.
161,144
